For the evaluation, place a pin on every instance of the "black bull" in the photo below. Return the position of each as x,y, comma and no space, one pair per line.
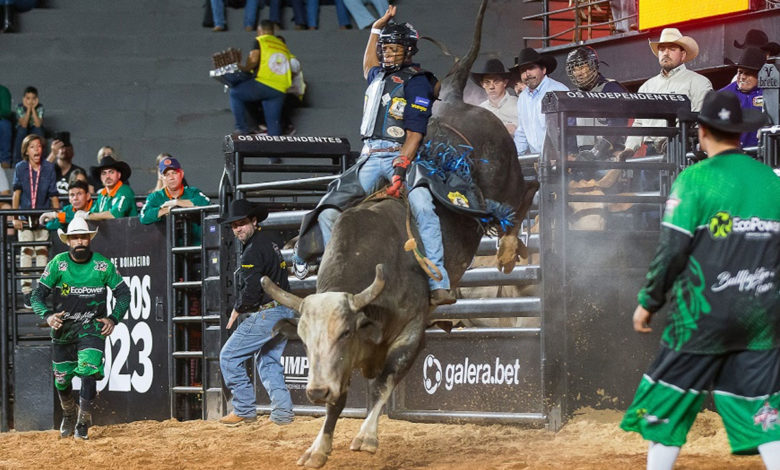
352,322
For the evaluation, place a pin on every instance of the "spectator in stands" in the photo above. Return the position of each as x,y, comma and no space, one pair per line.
624,14
173,194
81,175
251,12
746,88
62,155
5,190
299,13
494,79
272,60
116,199
34,188
29,119
313,14
759,39
80,328
6,128
254,336
361,15
80,201
106,151
533,69
673,51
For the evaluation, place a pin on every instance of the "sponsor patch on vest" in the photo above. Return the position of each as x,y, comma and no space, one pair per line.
397,108
758,101
395,131
422,103
397,79
458,199
385,99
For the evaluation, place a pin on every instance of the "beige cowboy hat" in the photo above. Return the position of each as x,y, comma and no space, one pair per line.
674,36
77,226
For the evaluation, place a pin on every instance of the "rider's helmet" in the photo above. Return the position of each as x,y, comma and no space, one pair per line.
582,67
395,33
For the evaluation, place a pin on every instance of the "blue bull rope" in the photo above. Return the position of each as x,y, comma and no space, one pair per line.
441,159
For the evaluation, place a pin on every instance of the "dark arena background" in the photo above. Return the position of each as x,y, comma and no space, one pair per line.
543,360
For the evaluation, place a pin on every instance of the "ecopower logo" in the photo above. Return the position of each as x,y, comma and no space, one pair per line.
436,374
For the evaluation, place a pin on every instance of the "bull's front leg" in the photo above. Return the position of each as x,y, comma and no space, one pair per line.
399,359
316,455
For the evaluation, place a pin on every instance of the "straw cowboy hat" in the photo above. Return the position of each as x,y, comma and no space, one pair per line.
674,36
491,66
721,110
241,208
77,226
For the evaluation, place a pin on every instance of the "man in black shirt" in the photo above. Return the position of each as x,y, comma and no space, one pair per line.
254,337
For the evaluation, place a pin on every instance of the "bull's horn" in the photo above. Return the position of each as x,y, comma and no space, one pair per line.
371,292
280,295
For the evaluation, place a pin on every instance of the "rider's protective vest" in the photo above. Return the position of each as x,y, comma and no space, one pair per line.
274,70
385,101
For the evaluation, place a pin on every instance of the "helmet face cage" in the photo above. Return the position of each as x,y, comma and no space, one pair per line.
583,57
393,33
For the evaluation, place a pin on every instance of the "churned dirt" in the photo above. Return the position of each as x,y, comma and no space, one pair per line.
591,440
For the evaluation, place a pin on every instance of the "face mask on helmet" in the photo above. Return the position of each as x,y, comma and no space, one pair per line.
582,67
403,35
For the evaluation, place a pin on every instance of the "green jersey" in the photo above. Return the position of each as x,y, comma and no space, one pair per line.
719,254
120,201
65,216
155,200
83,295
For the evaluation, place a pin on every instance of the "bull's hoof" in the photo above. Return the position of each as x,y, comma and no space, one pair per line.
313,459
364,444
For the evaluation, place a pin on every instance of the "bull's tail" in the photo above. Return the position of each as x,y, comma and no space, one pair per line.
453,84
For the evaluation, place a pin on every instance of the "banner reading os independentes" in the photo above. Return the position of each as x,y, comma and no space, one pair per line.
656,13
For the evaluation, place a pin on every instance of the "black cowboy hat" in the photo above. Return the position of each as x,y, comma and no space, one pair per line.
721,111
110,162
491,66
529,56
752,58
759,39
241,209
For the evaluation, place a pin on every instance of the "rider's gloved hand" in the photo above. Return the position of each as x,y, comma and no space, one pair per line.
400,164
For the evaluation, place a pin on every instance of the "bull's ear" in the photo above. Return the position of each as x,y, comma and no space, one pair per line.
368,329
287,327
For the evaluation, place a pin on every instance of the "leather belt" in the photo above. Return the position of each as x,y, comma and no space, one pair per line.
386,149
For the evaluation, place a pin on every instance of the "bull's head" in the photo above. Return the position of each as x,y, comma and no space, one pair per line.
336,332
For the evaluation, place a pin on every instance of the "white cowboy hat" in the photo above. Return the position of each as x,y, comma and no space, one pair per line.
674,36
77,226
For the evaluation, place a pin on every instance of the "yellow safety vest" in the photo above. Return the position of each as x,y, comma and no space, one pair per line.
274,70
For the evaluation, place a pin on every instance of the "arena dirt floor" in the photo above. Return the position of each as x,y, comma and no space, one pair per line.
591,440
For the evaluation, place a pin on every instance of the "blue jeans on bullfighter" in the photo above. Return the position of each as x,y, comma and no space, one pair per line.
376,166
253,337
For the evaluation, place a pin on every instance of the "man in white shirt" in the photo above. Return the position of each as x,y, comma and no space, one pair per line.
494,79
673,51
533,69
